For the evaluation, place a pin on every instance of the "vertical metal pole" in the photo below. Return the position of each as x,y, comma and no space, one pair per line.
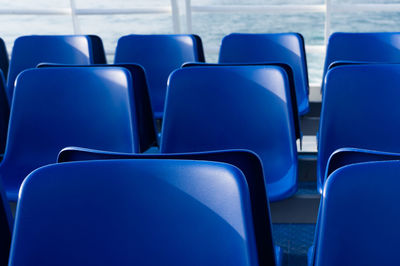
188,10
175,17
75,22
327,20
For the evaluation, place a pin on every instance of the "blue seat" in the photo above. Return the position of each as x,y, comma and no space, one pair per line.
211,108
382,47
246,161
359,110
285,48
29,51
159,55
348,156
290,77
58,107
142,114
6,225
134,212
359,219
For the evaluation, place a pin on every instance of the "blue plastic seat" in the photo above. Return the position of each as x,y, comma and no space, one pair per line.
348,156
359,217
246,161
290,77
159,55
285,48
360,109
143,124
134,212
376,47
6,225
29,51
58,107
211,108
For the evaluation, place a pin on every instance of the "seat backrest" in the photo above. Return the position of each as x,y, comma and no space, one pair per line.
383,47
359,110
159,55
289,72
29,51
211,108
285,48
248,162
359,219
169,213
58,107
348,156
143,124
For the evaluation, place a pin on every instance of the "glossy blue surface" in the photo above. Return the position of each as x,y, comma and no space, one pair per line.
29,51
358,211
159,55
347,156
142,115
58,107
383,47
248,162
211,108
289,73
359,110
285,48
169,212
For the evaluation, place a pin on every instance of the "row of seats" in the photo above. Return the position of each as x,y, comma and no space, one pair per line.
175,189
346,229
169,52
355,210
207,109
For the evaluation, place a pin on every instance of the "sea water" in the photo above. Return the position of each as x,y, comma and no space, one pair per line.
210,26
